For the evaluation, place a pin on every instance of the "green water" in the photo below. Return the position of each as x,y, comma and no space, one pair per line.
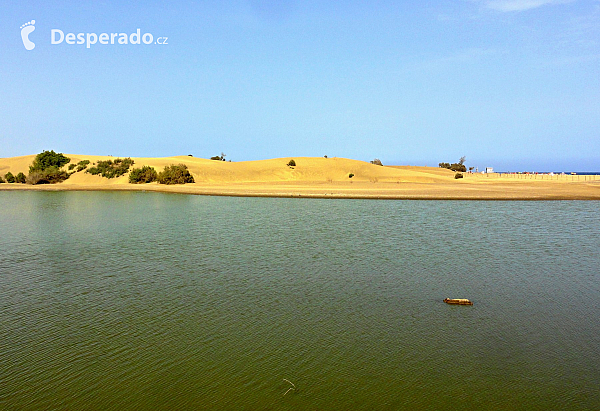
146,301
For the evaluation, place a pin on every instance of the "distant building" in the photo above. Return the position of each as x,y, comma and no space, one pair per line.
489,169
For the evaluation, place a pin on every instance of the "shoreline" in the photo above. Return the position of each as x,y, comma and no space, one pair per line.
474,192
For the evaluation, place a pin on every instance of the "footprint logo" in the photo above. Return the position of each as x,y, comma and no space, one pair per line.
26,29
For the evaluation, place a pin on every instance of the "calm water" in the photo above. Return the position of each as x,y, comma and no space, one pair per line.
146,301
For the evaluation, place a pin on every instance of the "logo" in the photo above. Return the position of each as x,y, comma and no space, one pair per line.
57,36
26,30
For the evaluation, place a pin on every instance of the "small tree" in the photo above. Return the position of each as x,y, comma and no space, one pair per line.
377,162
20,178
2,180
457,176
462,160
9,177
291,163
458,167
48,159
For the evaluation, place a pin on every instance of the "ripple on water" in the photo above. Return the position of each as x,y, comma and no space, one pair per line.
209,303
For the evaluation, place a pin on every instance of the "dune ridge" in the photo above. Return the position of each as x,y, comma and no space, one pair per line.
320,177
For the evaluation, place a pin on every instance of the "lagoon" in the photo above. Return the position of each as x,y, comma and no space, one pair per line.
154,301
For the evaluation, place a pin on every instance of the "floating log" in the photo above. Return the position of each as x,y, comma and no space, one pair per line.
460,301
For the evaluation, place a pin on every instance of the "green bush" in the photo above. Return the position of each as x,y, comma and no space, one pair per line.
455,166
350,175
51,175
145,174
110,168
72,166
175,174
291,163
2,180
458,175
20,178
458,167
9,177
82,165
48,159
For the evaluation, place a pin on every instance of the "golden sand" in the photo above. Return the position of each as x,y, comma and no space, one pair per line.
324,178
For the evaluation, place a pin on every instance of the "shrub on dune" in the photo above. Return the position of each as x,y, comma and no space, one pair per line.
9,177
175,174
142,175
110,168
48,159
50,175
46,168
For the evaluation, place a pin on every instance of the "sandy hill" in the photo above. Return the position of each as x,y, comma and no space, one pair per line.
307,169
323,178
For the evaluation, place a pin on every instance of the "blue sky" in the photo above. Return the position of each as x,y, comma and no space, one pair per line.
512,84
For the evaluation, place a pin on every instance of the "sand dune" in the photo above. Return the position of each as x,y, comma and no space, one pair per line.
322,177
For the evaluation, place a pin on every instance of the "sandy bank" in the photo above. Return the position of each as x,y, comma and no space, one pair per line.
324,178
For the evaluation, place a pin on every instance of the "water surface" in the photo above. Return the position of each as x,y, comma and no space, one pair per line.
153,301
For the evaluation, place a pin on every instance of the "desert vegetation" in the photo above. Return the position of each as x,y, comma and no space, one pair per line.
175,174
82,165
143,175
219,158
459,167
46,168
111,168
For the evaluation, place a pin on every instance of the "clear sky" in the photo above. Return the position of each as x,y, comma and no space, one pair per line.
512,84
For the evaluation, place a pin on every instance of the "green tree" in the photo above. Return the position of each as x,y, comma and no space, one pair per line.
458,167
48,159
20,178
9,177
